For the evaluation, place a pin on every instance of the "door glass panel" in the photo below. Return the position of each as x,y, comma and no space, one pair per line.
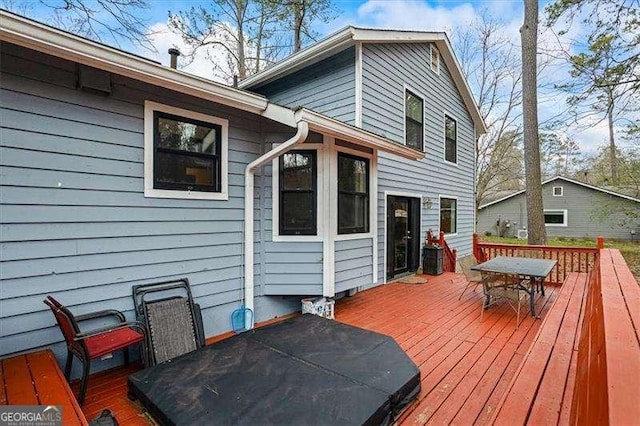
400,243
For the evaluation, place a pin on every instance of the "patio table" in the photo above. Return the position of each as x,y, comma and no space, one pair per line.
535,270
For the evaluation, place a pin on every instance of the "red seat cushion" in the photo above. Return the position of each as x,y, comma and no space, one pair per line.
110,341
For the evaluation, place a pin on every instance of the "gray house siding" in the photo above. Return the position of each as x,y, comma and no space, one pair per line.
327,87
353,264
583,216
386,69
75,222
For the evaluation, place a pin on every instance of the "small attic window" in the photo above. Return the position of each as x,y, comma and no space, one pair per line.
435,59
557,191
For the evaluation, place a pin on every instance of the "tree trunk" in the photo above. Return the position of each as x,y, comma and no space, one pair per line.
529,35
298,19
241,8
612,141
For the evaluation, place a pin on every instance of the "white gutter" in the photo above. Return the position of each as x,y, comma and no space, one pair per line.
299,137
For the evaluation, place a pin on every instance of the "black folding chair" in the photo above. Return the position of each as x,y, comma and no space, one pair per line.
172,320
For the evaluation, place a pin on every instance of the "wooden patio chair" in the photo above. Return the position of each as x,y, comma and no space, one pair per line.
498,287
474,278
96,343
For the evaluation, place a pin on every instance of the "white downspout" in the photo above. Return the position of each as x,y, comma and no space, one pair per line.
299,137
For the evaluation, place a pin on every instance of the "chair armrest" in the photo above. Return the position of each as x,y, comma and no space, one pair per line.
98,331
101,314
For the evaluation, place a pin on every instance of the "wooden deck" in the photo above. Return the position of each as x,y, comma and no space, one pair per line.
466,365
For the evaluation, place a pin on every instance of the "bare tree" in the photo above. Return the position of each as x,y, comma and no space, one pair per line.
491,64
298,15
243,30
109,21
559,155
529,34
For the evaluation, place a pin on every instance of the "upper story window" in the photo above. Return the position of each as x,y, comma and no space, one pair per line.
185,154
414,120
557,191
448,215
353,194
298,193
450,139
435,59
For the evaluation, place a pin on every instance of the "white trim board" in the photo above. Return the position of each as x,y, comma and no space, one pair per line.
358,82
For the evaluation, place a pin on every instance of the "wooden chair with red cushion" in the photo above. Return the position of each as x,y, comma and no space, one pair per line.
92,344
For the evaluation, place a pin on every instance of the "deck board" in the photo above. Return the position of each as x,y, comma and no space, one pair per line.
466,365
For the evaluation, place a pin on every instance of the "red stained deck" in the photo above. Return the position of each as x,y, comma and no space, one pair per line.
466,365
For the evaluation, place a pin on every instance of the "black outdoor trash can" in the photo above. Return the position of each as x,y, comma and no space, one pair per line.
432,260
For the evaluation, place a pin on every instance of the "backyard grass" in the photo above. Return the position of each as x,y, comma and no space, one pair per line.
629,250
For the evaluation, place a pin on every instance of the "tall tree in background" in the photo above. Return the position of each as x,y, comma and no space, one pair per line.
529,34
298,15
243,30
492,66
559,155
605,80
108,21
251,34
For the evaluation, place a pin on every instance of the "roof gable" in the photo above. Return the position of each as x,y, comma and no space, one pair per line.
350,36
554,179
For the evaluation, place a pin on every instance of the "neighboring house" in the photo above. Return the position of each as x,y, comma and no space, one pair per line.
571,209
118,171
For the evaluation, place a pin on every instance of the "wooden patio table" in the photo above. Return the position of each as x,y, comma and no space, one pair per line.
534,270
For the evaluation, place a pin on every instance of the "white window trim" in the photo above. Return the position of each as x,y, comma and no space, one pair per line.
149,190
565,214
386,200
440,197
404,115
553,191
432,49
373,178
275,195
444,138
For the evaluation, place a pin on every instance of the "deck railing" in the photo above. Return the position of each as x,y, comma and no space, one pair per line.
608,364
570,259
449,256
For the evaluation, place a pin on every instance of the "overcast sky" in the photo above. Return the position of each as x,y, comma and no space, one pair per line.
391,14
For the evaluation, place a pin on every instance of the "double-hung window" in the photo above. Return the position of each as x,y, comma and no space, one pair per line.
353,194
185,153
414,120
450,139
298,193
448,215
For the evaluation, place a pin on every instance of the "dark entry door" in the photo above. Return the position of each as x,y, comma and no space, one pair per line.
403,235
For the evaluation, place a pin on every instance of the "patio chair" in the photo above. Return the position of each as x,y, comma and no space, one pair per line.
172,320
96,343
474,278
497,287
